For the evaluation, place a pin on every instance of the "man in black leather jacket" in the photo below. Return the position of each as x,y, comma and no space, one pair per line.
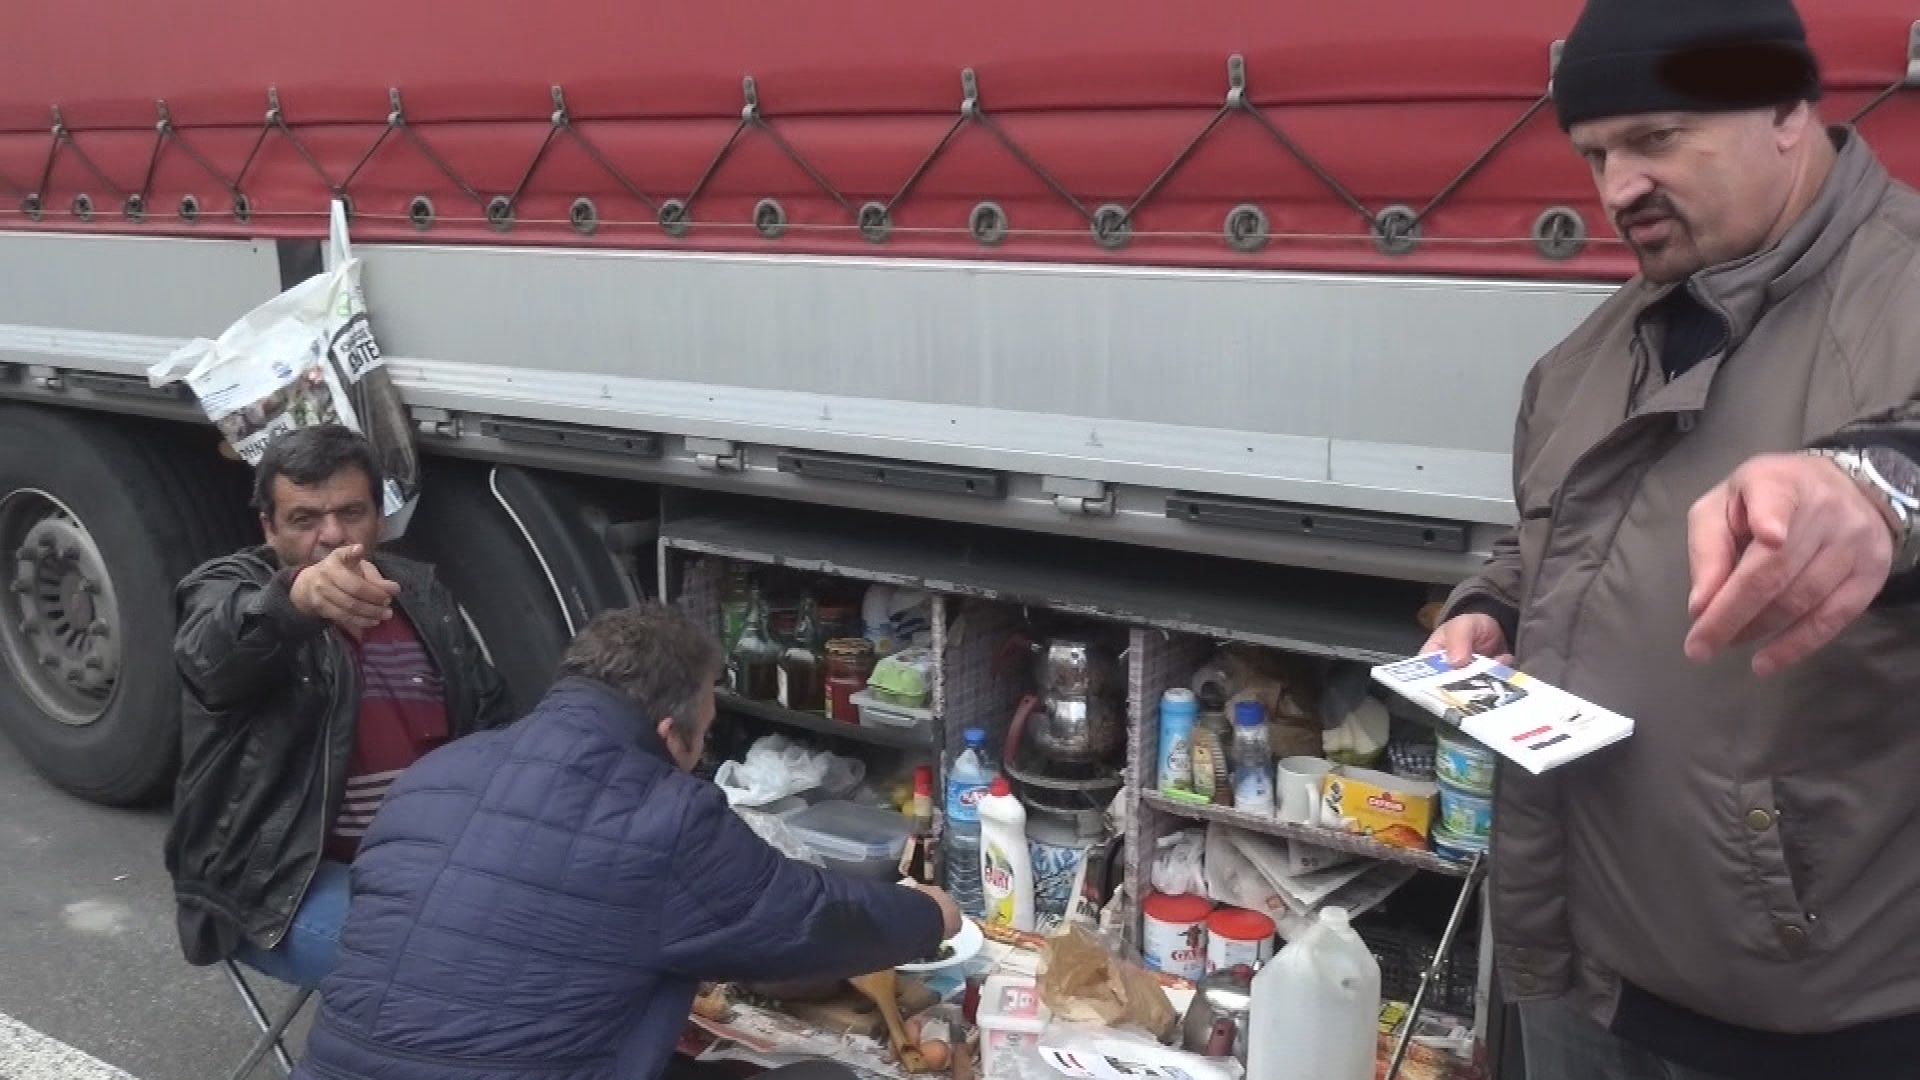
315,670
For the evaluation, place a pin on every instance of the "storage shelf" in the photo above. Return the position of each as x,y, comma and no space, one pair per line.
1308,834
820,724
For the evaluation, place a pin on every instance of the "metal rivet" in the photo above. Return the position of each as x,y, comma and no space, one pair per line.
674,219
584,216
242,209
1759,820
1246,228
1396,231
1112,226
83,207
421,213
770,219
988,223
189,209
32,207
1560,233
135,208
500,213
875,222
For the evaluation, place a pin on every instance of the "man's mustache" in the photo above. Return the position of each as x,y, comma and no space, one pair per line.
1645,211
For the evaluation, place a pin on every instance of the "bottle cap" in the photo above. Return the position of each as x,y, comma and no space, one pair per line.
1000,787
976,737
923,780
1249,713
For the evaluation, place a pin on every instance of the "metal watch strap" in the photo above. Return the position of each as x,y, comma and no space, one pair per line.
1898,507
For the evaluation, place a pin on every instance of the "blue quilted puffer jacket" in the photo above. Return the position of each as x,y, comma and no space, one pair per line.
542,900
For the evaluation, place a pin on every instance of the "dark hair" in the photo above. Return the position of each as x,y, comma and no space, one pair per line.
651,653
313,455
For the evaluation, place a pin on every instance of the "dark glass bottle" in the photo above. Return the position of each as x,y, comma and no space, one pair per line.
754,666
802,668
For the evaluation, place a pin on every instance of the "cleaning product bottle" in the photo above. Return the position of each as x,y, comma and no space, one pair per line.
1316,1007
1006,864
968,781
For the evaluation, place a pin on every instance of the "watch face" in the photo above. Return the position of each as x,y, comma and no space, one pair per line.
1895,468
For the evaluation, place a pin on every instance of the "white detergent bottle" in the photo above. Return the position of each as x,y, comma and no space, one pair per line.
1316,1007
1006,865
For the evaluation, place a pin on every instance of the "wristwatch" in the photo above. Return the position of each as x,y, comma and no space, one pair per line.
1892,481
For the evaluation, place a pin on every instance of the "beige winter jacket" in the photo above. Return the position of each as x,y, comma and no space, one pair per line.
1753,852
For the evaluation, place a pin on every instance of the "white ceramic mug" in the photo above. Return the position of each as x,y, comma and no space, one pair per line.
1298,782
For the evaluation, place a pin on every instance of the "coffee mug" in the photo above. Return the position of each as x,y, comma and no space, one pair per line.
1298,782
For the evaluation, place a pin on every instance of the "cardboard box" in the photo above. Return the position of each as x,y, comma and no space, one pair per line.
1386,808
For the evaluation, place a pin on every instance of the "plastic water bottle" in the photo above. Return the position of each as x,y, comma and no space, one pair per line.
1252,755
967,783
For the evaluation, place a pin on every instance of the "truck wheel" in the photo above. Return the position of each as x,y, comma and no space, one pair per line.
97,524
483,559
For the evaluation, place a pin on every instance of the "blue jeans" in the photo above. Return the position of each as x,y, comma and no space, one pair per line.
306,955
1563,1043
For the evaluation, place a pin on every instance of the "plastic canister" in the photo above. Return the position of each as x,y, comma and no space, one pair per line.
1179,709
1466,816
1237,937
1175,941
1463,764
1316,1007
1011,1018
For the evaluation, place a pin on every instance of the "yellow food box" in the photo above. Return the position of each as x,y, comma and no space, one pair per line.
1386,808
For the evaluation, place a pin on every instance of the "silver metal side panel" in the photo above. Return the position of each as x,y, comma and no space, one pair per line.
1377,393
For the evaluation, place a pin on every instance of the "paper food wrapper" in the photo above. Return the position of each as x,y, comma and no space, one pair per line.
1084,982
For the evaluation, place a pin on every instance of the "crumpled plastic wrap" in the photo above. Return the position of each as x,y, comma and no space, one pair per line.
780,838
777,767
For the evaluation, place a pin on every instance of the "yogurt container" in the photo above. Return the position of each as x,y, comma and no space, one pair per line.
1463,764
1452,846
1237,937
1175,941
1467,816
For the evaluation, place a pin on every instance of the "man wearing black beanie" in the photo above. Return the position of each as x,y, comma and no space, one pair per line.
1716,482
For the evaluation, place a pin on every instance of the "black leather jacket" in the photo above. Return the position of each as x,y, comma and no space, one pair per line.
272,701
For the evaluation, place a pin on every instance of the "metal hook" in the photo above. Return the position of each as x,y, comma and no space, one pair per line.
1237,81
273,105
165,123
969,93
397,115
560,116
751,91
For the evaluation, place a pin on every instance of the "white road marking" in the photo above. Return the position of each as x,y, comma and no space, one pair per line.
26,1054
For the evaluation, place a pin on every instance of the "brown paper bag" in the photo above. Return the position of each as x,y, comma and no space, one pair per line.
1085,982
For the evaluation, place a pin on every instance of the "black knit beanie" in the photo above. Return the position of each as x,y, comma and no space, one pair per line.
1640,56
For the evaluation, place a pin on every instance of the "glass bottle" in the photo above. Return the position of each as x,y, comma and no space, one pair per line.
736,599
802,671
753,668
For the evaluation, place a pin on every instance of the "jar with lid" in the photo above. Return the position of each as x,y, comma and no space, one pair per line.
849,665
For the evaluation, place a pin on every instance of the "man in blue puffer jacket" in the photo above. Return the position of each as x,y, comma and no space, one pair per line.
543,900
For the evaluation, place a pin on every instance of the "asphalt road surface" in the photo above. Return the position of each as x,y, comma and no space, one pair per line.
92,986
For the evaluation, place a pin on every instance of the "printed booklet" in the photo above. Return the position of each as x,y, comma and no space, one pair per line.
1526,721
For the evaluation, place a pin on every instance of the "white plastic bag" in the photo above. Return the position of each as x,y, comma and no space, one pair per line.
305,357
777,767
1179,864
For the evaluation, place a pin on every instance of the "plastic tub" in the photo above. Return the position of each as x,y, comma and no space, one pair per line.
1237,937
1175,941
1464,815
1011,1018
875,713
854,839
1463,764
1460,848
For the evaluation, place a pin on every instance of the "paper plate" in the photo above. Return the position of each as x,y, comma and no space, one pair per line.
965,945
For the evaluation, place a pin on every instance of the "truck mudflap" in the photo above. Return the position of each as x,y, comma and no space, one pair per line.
1374,136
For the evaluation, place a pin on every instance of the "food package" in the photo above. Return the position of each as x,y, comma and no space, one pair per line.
1085,982
1387,808
1442,1047
1091,1052
304,358
905,678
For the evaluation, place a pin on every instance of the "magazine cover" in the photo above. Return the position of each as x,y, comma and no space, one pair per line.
1526,721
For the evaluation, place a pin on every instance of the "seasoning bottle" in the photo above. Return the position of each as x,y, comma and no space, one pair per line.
802,672
1212,777
753,668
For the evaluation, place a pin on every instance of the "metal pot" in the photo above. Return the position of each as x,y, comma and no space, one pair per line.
1218,1017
